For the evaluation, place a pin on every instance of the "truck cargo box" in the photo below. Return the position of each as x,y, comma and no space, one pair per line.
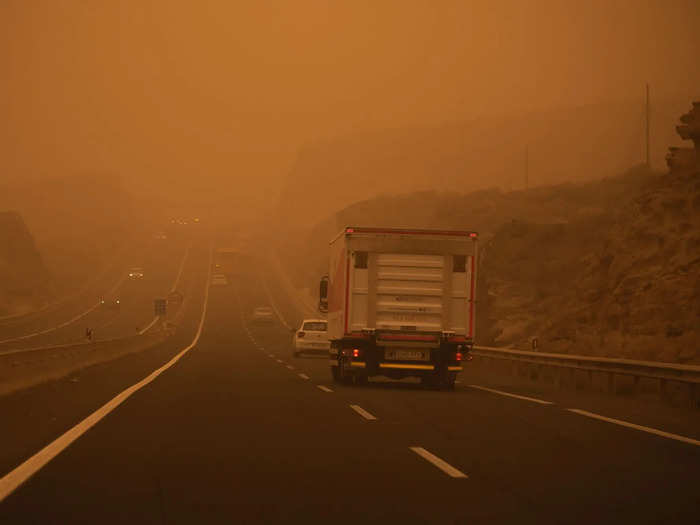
402,292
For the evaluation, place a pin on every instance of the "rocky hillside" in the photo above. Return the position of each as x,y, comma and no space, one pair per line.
637,294
24,280
610,267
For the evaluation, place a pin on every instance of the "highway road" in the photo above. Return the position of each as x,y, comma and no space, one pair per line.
162,262
238,431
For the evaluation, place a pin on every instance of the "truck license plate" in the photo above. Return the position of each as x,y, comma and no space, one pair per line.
407,355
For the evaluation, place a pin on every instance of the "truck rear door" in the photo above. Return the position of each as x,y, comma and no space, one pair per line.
411,292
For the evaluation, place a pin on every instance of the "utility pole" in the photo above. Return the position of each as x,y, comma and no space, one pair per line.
647,131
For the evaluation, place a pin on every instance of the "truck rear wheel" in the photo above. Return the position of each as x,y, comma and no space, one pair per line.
335,374
344,376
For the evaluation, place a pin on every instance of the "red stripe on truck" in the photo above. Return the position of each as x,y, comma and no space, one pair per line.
347,289
390,337
460,233
471,303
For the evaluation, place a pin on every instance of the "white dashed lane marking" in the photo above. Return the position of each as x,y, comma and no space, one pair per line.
324,388
439,463
304,376
363,412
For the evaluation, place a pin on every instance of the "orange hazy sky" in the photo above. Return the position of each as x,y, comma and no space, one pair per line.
174,92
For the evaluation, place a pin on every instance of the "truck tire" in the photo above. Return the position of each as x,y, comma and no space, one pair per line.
361,379
344,376
335,374
449,382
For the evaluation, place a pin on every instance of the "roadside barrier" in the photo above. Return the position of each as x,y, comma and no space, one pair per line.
611,368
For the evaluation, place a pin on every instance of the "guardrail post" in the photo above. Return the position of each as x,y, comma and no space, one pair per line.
663,390
612,386
590,379
635,387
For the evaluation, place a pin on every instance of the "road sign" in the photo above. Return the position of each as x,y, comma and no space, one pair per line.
160,306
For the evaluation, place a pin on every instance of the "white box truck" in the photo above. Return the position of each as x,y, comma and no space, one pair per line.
400,302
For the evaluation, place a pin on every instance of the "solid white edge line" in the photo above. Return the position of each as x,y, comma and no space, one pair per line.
182,266
304,376
439,463
363,412
149,326
649,430
16,477
508,394
324,388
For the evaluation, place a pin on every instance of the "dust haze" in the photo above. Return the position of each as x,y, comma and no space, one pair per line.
334,261
215,102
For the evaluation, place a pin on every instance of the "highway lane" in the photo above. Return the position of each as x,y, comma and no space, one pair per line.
233,432
161,262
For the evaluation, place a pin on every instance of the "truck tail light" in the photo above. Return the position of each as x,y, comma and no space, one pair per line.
355,352
458,356
301,335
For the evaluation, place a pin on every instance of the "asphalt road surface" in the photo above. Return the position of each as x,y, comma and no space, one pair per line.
238,431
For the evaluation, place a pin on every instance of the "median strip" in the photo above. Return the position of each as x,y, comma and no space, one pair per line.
649,430
516,396
439,463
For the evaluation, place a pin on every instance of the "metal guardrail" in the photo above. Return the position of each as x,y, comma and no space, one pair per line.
663,372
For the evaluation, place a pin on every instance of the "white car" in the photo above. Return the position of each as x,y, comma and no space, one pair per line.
311,338
219,279
262,315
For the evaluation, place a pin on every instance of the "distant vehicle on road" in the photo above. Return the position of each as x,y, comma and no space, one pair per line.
219,279
110,303
160,235
262,315
400,303
227,260
311,337
136,273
